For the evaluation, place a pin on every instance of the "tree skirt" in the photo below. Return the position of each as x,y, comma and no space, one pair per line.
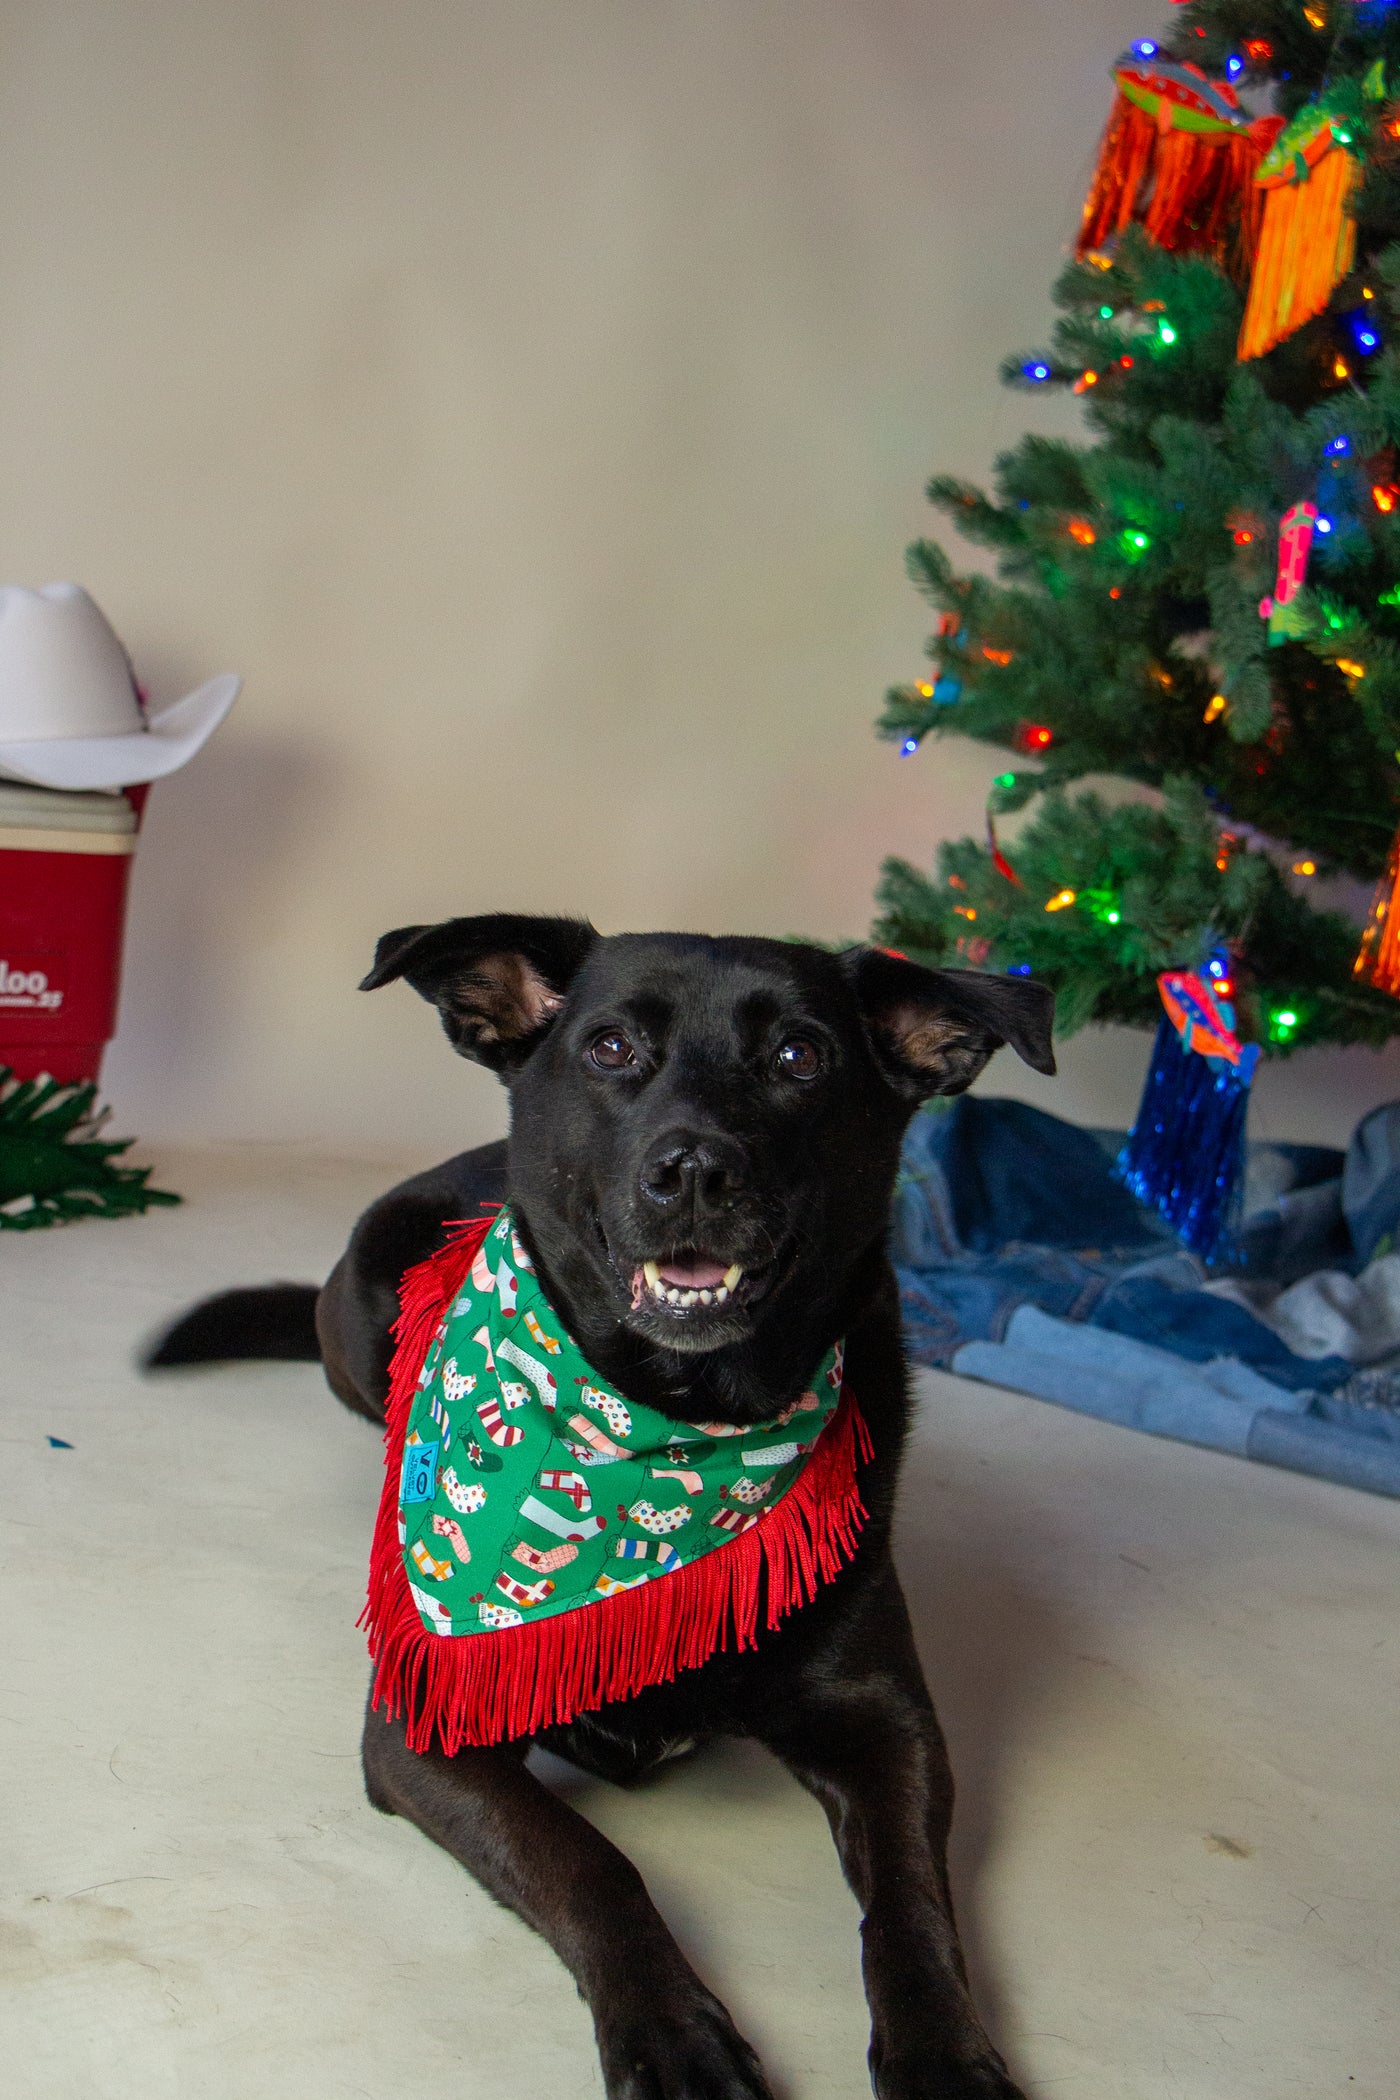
1024,1262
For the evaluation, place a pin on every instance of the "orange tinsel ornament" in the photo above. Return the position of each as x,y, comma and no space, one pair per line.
1307,241
1378,959
1179,157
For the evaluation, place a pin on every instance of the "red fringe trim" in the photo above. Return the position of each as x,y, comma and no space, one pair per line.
489,1687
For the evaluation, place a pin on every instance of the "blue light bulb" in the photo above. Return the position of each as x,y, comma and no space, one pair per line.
1324,525
909,747
1366,338
1339,448
1144,48
1036,371
1234,67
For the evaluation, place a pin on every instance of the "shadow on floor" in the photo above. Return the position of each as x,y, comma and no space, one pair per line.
988,1640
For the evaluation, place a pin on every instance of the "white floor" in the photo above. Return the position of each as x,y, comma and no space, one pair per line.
1169,1681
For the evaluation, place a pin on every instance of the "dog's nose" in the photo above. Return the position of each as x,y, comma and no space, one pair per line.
707,1172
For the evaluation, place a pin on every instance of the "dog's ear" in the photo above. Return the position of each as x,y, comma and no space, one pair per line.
933,1030
497,981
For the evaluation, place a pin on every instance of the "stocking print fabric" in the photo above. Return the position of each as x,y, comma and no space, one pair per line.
545,1545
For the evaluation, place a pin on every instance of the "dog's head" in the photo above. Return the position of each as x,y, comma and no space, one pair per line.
705,1133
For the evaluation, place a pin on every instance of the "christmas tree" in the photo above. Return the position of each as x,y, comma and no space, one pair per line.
1203,599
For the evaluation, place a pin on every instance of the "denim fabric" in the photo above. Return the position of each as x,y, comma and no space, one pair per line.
973,1297
1121,1380
1336,1211
1193,1324
1310,1443
1371,1182
1222,1405
1303,1230
1000,1205
1022,1260
994,1171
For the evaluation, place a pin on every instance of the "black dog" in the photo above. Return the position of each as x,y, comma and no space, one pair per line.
679,1101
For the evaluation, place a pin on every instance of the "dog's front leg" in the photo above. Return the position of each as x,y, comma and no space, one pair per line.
661,2034
862,1735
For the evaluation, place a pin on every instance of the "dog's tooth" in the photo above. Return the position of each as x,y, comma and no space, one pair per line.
658,1288
731,1276
707,1297
721,1295
653,1276
673,1296
689,1297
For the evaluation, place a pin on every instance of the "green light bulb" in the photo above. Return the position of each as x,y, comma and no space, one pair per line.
1166,332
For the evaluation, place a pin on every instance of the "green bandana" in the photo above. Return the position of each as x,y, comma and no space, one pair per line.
521,1488
528,1487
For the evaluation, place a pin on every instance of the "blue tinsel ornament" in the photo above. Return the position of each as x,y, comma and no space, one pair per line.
1185,1152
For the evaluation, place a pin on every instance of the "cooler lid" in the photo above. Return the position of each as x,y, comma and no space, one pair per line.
49,809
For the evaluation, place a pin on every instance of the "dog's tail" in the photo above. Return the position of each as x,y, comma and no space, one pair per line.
276,1321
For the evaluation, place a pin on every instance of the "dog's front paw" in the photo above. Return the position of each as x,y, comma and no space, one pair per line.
931,2074
679,2051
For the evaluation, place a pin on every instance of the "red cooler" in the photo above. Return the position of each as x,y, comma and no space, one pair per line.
64,864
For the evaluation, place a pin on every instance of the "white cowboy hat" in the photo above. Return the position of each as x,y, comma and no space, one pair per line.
70,715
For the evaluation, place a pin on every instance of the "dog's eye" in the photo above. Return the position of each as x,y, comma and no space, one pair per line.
799,1059
611,1052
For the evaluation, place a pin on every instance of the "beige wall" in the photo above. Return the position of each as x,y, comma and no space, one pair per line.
533,401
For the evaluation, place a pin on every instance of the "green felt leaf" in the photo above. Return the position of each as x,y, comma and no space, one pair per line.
53,1166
